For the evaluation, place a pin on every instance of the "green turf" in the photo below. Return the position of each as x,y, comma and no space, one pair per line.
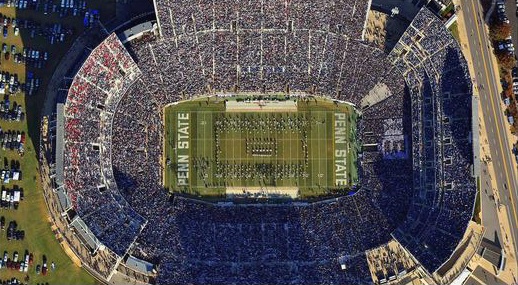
272,152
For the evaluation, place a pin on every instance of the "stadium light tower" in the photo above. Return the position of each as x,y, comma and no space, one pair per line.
395,11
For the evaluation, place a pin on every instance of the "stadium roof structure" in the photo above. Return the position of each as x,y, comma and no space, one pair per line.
492,252
139,265
135,31
85,234
113,125
60,141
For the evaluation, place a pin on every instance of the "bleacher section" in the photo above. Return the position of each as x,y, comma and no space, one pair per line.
444,186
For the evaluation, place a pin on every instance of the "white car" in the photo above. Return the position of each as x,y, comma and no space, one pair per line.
7,177
26,263
16,31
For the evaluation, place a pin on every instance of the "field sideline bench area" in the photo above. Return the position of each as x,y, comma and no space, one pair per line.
261,106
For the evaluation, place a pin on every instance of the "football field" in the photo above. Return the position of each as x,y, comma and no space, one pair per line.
244,146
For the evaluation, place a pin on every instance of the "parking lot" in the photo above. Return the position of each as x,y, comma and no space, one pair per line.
511,10
35,36
507,14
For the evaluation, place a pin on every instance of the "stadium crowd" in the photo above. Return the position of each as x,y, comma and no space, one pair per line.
340,17
442,150
114,130
103,77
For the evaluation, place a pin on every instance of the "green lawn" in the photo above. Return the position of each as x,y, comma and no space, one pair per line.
448,10
32,215
258,149
454,29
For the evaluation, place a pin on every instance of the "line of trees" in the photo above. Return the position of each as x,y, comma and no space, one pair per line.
499,32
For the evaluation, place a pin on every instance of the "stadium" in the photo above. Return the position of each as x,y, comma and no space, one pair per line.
263,142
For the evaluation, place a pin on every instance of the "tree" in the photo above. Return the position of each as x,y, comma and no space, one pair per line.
499,31
508,93
512,111
506,60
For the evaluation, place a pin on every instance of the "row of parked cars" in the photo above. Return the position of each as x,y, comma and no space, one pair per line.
66,8
7,23
515,81
28,56
54,32
7,175
11,113
17,262
11,197
20,4
22,262
12,281
31,86
9,83
500,10
12,140
44,5
13,233
507,44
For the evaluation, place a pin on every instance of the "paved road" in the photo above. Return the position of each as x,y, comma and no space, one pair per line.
489,210
487,81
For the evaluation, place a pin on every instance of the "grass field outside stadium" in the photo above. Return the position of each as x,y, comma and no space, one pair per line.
256,146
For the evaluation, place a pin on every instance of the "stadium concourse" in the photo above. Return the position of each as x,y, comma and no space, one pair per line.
109,137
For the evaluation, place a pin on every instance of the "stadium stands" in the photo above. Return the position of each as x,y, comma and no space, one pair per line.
89,181
114,132
444,187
